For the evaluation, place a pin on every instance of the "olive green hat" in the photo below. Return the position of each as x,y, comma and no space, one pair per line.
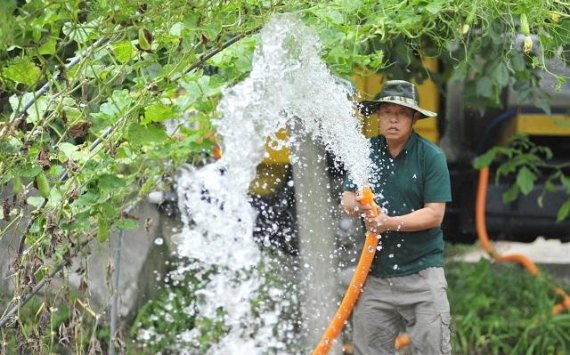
398,92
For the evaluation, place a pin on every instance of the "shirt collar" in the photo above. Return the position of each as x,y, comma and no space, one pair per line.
410,143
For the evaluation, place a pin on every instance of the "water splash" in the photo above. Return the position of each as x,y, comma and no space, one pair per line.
289,86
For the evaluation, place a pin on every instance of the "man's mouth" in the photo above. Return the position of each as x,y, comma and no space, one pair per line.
392,129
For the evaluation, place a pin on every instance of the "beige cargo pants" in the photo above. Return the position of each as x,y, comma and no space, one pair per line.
415,304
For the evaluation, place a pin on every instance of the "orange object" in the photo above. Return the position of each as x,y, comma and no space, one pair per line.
401,341
357,282
515,258
216,152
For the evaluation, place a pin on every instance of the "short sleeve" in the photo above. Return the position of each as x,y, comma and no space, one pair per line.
437,185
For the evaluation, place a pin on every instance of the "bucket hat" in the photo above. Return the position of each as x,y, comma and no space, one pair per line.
398,92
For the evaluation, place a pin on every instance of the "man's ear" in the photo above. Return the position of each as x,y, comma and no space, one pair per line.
416,117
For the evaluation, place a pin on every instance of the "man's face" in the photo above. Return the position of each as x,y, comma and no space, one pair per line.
396,121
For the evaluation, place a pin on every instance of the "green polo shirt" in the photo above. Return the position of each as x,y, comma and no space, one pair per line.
418,175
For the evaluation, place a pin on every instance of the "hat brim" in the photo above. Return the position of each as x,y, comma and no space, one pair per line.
369,107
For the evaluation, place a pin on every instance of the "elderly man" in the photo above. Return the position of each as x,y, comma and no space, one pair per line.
406,286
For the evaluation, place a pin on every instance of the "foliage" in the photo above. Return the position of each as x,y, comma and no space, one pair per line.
503,310
101,101
161,322
170,321
63,324
526,162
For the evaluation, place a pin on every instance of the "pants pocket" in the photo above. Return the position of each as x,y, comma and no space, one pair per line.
445,333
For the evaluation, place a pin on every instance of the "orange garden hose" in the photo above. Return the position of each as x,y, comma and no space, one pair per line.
355,287
357,282
515,258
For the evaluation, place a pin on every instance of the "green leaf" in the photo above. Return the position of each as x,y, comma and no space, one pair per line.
37,110
117,104
123,51
23,71
71,152
511,194
549,186
96,71
331,15
48,47
41,273
564,211
144,135
35,201
525,180
55,198
177,28
127,224
212,30
86,200
501,74
67,149
72,114
435,6
485,87
485,159
157,112
28,170
108,211
110,182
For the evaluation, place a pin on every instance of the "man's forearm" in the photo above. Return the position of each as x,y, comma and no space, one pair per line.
425,218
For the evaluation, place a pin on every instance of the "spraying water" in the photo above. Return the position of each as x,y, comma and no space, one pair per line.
289,86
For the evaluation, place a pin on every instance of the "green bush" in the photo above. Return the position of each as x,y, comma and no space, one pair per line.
501,309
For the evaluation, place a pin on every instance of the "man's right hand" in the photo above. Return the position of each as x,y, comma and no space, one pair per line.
374,220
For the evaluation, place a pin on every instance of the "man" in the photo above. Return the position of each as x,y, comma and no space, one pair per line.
406,287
